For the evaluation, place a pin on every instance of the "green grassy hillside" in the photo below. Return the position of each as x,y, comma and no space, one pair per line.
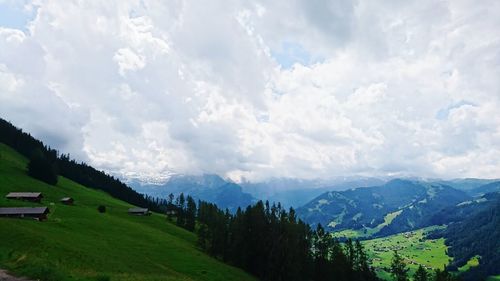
79,243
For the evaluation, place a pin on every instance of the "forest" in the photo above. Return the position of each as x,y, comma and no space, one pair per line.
271,243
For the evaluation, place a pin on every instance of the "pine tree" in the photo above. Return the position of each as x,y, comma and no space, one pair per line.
421,274
362,263
321,253
443,275
170,206
398,268
361,260
350,252
190,214
181,202
202,236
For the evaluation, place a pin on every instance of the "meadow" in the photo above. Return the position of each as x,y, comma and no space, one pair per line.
367,231
79,243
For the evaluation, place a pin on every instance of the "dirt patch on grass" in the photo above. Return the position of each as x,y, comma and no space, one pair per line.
4,276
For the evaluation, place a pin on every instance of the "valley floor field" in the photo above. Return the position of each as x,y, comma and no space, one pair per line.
412,246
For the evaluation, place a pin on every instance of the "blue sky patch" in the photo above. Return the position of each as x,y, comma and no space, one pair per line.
443,113
15,16
291,53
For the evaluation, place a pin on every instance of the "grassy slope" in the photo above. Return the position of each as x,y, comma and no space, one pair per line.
367,232
78,243
414,247
474,261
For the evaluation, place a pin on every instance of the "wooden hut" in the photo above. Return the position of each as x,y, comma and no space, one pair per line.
139,211
171,212
38,213
67,201
26,196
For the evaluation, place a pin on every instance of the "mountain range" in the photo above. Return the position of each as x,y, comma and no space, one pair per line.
208,187
397,206
294,193
225,193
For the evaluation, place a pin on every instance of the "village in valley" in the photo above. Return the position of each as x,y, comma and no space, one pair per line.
413,246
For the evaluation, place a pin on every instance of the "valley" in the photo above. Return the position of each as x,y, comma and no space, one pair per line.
436,224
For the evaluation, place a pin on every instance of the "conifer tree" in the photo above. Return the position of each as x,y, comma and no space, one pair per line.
398,268
421,274
170,206
202,236
181,202
443,275
190,214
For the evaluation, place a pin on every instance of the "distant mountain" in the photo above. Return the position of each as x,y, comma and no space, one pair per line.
297,192
464,210
466,184
473,186
487,188
399,205
210,188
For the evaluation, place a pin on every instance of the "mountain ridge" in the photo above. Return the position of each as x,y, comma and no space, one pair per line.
366,209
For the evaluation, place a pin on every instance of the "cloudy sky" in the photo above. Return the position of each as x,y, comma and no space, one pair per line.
258,89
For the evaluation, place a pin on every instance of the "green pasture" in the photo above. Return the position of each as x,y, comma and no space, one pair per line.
79,243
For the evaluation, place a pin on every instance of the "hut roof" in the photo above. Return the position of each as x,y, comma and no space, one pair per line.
66,199
24,211
138,210
25,194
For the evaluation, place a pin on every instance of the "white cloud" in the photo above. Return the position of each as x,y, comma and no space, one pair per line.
128,60
261,89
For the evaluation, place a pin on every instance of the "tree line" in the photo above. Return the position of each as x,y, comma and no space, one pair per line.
183,209
46,164
270,242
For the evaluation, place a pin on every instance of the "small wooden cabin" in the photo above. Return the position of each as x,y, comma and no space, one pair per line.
67,201
26,196
139,211
171,212
38,213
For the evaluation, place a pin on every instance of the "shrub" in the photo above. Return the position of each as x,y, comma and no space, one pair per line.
102,278
101,209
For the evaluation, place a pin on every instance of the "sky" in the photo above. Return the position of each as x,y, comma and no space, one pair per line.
252,90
